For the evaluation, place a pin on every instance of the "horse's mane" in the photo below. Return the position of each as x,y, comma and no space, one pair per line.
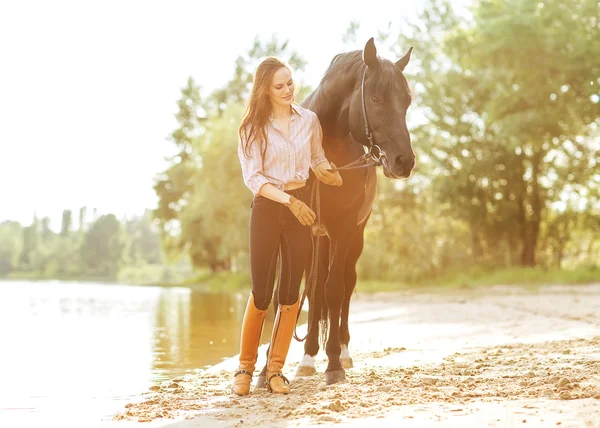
349,63
347,69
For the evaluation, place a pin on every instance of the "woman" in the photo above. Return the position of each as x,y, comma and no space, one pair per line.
279,141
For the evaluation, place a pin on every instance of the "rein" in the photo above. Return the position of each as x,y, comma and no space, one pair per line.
369,159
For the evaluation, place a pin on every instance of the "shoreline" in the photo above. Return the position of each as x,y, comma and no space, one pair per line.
480,355
531,278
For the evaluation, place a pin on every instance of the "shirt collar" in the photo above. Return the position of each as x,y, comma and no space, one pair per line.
295,109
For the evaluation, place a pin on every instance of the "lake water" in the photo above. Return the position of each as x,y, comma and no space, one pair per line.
76,353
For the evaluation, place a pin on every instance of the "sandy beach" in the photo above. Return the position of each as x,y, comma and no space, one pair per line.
494,356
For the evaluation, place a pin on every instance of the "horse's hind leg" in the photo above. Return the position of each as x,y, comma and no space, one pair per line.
350,284
311,346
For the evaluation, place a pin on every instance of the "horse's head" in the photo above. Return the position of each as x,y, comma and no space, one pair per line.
385,97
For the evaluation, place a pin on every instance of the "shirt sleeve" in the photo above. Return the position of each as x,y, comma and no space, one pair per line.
252,168
317,154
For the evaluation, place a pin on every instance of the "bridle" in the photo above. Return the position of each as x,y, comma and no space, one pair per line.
373,153
372,157
372,146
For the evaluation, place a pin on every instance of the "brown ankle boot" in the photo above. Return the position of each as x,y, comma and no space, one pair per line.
251,330
285,321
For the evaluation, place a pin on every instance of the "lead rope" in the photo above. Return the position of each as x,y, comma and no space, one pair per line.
315,201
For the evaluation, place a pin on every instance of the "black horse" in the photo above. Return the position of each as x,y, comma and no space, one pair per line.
361,103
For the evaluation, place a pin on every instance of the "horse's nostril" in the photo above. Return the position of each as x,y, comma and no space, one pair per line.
399,161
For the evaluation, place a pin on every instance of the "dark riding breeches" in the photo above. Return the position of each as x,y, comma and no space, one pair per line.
275,230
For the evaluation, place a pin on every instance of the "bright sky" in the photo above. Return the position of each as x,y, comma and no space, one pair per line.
88,89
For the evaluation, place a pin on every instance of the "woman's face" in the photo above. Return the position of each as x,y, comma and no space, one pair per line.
281,90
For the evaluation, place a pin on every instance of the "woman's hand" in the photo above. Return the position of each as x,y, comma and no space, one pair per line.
327,176
303,213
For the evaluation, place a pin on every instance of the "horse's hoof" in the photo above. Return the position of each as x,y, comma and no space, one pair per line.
261,381
347,363
335,376
306,371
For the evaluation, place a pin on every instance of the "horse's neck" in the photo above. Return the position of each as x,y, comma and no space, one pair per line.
342,150
331,98
334,118
331,102
337,140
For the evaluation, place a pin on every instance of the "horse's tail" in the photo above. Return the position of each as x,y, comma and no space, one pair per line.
317,269
318,298
323,317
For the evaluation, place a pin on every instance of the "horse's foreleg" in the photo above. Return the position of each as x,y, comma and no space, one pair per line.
345,356
350,284
334,296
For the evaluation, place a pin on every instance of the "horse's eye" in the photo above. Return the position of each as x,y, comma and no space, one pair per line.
375,99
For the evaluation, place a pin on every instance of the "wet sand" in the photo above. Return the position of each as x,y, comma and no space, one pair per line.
500,357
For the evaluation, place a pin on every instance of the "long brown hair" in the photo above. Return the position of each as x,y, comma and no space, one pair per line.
252,129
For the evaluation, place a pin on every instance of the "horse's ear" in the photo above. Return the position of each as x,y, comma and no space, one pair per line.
403,62
370,54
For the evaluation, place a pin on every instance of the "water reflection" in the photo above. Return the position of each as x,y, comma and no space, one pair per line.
196,329
80,352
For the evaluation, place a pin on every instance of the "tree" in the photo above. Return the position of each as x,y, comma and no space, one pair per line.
174,185
540,117
102,247
144,246
508,104
67,223
30,244
11,244
217,215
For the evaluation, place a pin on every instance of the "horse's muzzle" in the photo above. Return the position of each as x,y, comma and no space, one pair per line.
401,168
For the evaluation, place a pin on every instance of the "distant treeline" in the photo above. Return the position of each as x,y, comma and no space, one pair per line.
97,248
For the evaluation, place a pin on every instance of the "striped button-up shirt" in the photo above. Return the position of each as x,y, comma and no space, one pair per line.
287,158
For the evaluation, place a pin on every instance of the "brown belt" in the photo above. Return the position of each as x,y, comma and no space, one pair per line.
294,185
